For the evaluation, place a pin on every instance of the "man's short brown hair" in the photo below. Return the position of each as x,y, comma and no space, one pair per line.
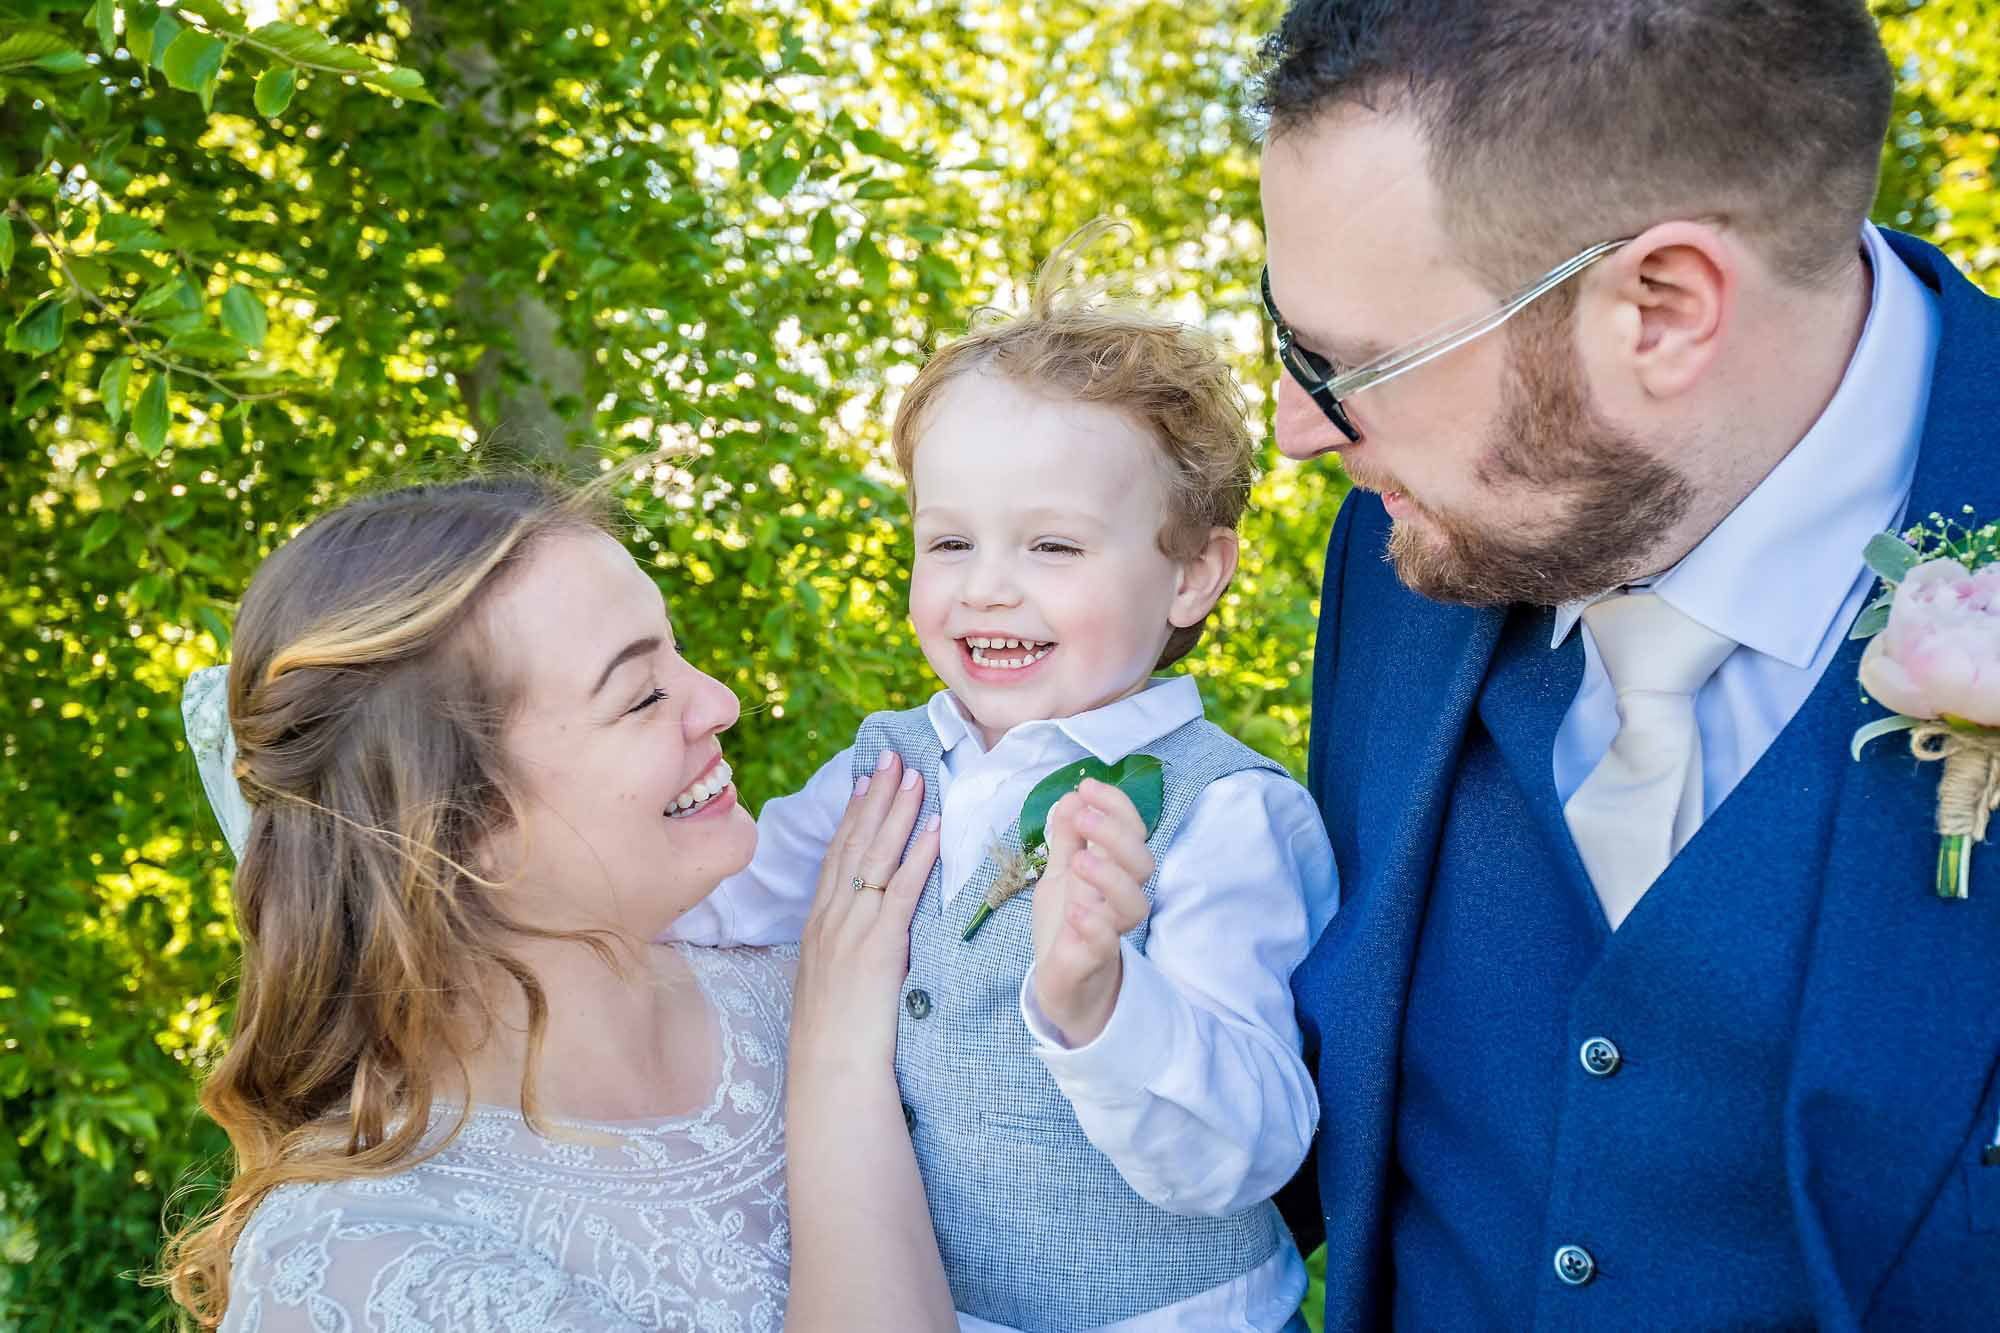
1168,378
1555,124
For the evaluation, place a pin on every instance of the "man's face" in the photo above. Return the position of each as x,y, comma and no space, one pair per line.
1503,483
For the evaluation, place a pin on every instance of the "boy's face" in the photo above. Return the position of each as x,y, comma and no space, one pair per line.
1037,523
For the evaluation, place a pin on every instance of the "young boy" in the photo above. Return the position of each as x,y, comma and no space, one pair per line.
1103,1083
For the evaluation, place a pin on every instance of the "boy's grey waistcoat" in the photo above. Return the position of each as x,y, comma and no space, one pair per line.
1037,1228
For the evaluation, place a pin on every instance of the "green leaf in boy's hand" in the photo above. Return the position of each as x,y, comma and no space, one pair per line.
1140,776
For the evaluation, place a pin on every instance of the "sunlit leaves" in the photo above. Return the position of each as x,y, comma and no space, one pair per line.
274,89
149,421
243,316
113,385
193,63
39,329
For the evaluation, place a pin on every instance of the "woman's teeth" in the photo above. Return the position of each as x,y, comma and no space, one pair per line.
701,793
1021,652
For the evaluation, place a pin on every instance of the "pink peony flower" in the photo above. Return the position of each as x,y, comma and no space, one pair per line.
1940,654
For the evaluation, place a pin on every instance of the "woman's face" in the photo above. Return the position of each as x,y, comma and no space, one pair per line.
627,814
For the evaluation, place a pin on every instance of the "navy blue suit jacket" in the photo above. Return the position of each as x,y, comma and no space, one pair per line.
1892,1092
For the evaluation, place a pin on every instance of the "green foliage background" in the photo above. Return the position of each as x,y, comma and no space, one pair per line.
257,256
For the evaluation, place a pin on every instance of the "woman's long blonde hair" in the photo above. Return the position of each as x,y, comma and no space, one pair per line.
368,707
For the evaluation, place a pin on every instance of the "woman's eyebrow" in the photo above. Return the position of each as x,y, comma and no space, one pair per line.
637,648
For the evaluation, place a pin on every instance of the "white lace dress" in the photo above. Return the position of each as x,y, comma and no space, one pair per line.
661,1224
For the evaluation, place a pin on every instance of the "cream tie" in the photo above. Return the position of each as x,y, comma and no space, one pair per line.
1643,801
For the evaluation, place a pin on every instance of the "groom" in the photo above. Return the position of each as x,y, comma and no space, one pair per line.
1640,1011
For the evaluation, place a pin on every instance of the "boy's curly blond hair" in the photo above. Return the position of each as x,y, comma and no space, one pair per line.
1169,378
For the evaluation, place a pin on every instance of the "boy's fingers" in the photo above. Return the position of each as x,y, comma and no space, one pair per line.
1110,886
1092,939
1113,806
1126,849
1064,836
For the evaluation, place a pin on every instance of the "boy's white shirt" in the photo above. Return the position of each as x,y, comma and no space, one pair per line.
1195,1090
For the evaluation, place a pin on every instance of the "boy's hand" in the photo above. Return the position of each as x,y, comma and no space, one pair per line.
1093,891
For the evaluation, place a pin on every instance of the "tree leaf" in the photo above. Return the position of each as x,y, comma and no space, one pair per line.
158,297
101,530
6,246
214,15
126,233
205,345
310,50
104,13
274,89
212,621
872,143
396,81
18,50
877,188
873,266
149,423
823,237
193,63
781,174
112,385
66,61
39,331
243,315
1890,557
139,27
166,30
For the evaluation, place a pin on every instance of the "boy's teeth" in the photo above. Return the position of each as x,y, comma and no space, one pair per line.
1034,652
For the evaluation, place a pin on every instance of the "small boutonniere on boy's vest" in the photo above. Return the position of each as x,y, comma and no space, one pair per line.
1139,776
1935,659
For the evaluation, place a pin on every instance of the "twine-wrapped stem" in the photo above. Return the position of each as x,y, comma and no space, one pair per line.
1968,794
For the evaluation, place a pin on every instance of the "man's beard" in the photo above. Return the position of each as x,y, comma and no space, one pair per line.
1549,440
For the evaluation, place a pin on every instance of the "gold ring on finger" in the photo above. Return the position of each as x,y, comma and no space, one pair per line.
858,884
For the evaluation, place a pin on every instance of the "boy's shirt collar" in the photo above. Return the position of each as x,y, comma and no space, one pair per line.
1108,733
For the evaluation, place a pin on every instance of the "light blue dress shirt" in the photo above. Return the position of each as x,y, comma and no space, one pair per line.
1782,575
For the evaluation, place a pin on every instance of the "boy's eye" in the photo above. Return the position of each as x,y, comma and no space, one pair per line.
652,698
1058,548
951,544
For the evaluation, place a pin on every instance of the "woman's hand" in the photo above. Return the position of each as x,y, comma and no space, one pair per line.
855,949
864,1256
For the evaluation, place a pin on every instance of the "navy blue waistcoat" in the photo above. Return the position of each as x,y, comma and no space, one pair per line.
1796,1129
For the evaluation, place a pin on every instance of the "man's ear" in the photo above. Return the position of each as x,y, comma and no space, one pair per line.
1672,296
1203,576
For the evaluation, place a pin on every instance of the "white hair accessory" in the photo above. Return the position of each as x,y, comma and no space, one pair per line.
205,714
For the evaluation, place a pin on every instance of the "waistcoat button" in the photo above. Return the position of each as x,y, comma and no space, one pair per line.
918,1002
1574,1265
1600,1058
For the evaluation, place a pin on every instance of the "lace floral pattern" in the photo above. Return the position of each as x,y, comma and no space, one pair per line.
674,1224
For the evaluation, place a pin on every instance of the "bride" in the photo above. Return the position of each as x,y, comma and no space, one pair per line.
466,1089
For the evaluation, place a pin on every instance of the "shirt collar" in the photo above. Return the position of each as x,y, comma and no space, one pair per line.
1108,733
1774,574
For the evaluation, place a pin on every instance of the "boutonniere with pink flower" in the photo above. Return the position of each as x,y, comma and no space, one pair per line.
1935,659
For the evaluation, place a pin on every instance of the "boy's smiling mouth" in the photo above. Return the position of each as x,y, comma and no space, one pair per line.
992,653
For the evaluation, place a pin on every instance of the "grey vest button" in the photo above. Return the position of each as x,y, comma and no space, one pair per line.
909,1118
1600,1058
918,1002
1574,1265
